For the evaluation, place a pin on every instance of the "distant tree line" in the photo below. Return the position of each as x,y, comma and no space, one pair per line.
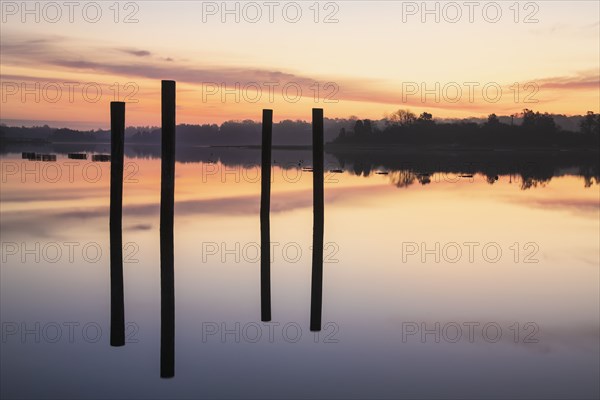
246,132
400,128
406,128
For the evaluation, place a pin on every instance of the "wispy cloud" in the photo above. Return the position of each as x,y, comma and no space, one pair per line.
137,53
51,54
583,80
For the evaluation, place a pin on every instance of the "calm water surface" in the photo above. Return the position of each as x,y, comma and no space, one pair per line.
455,288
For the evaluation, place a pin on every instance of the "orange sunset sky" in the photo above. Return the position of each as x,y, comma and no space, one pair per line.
63,66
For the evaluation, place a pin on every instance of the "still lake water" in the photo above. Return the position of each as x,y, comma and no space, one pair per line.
455,288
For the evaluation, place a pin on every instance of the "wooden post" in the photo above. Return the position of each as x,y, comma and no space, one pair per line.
316,295
167,202
265,227
117,304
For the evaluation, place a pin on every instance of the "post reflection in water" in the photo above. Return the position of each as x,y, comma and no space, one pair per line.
117,305
167,198
167,202
436,172
316,293
265,227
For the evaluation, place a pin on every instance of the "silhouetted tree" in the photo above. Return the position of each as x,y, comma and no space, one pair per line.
590,124
358,128
401,118
492,121
528,119
545,123
367,127
539,123
425,119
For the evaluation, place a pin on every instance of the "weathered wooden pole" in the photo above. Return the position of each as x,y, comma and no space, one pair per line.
117,303
316,295
167,202
265,208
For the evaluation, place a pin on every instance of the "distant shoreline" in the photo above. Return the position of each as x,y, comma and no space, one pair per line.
329,147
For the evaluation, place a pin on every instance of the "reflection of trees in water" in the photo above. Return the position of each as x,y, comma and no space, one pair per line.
405,178
491,179
589,180
529,182
590,174
528,169
424,179
361,169
402,178
536,175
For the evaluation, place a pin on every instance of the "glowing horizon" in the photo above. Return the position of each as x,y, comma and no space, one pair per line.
452,70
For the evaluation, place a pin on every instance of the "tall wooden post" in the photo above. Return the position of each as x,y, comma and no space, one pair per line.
265,227
316,297
167,202
117,304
